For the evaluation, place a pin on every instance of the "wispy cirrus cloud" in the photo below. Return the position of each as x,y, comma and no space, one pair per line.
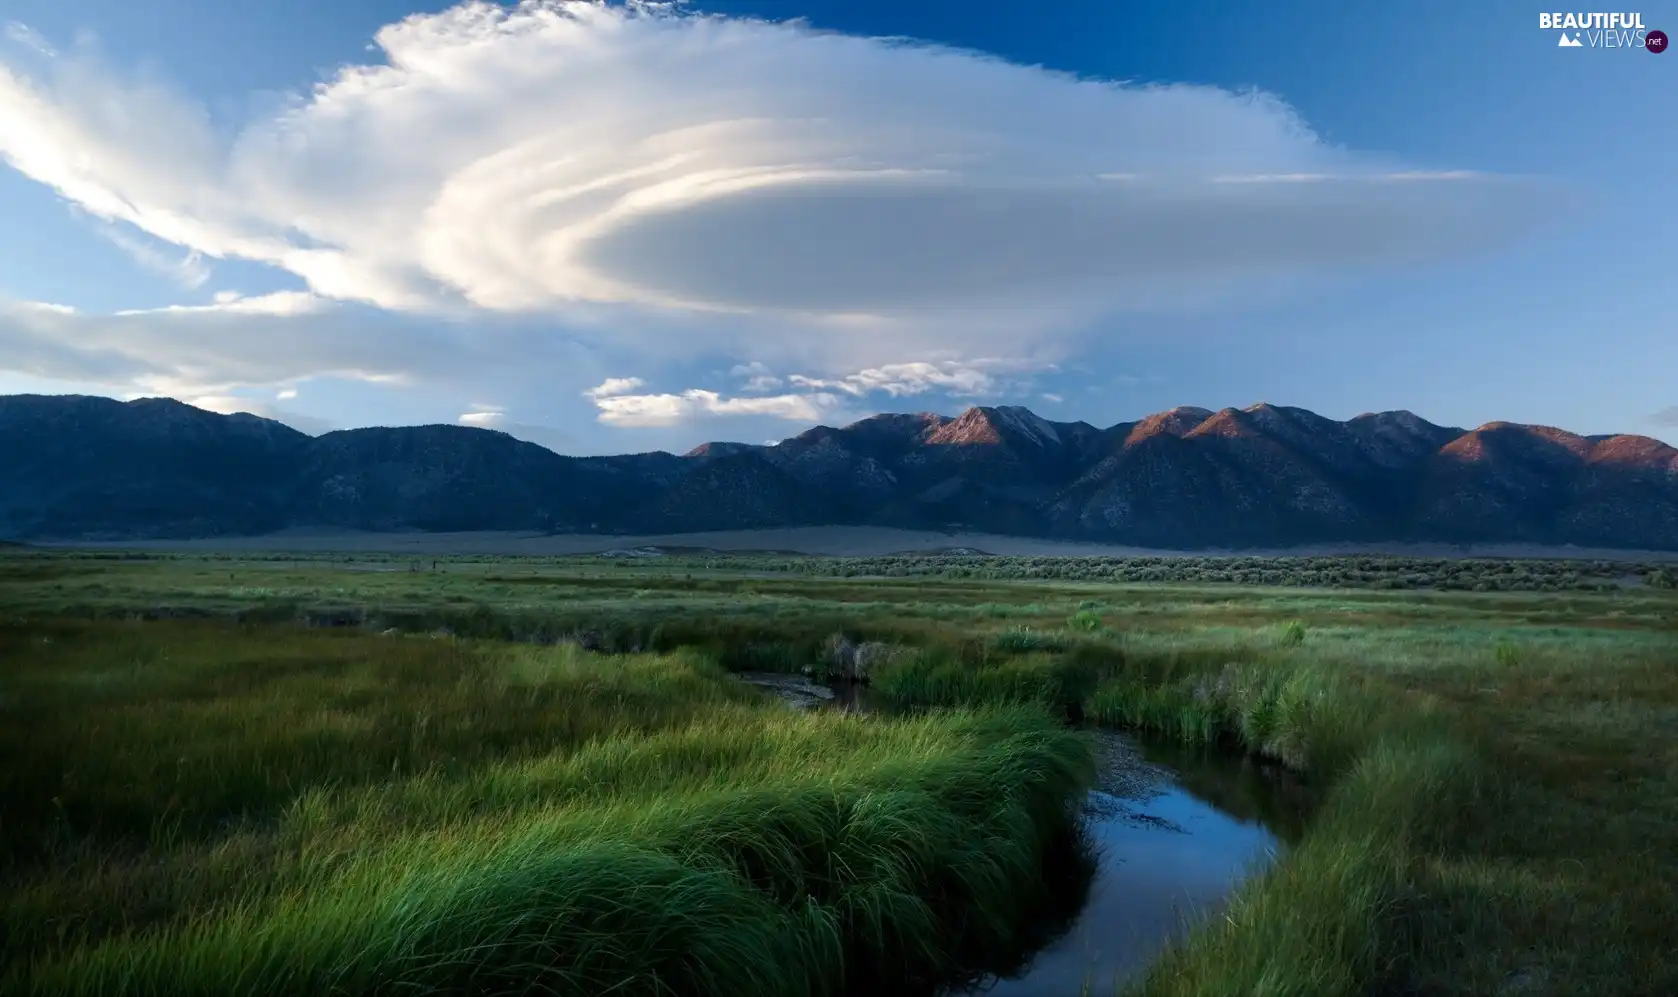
757,377
188,270
958,378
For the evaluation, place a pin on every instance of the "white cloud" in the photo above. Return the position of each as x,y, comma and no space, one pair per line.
200,349
620,405
580,153
286,395
485,419
614,386
960,379
275,341
649,410
225,404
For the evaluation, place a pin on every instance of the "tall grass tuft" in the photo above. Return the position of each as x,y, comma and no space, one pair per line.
261,811
941,677
1017,640
1086,620
1338,916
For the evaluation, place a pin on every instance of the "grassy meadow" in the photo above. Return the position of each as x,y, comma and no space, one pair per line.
316,774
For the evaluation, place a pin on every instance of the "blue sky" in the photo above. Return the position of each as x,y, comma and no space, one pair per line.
611,231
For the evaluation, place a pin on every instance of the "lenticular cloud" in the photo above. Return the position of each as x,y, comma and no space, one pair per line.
522,158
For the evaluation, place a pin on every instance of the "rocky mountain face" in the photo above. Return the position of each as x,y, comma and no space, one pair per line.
94,468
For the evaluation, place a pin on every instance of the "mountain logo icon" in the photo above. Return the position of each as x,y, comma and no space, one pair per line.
1567,42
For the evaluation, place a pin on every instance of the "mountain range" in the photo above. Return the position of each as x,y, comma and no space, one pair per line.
90,468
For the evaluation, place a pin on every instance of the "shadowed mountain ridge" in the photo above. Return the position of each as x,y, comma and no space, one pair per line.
77,467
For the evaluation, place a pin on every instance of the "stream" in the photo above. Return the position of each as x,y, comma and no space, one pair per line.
1175,830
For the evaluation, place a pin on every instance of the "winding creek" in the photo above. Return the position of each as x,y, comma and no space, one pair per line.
1175,831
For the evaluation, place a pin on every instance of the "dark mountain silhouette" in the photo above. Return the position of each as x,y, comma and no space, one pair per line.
94,468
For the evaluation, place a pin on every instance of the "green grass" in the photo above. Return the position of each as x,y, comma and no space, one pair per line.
1499,808
1496,771
1461,574
239,810
940,676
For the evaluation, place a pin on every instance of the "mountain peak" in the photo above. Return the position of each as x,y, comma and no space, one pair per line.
1172,422
1394,417
898,426
973,427
1266,475
1226,422
995,425
1028,424
718,448
1398,424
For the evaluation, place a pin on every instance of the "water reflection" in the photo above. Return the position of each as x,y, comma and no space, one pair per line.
804,693
853,697
1169,855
